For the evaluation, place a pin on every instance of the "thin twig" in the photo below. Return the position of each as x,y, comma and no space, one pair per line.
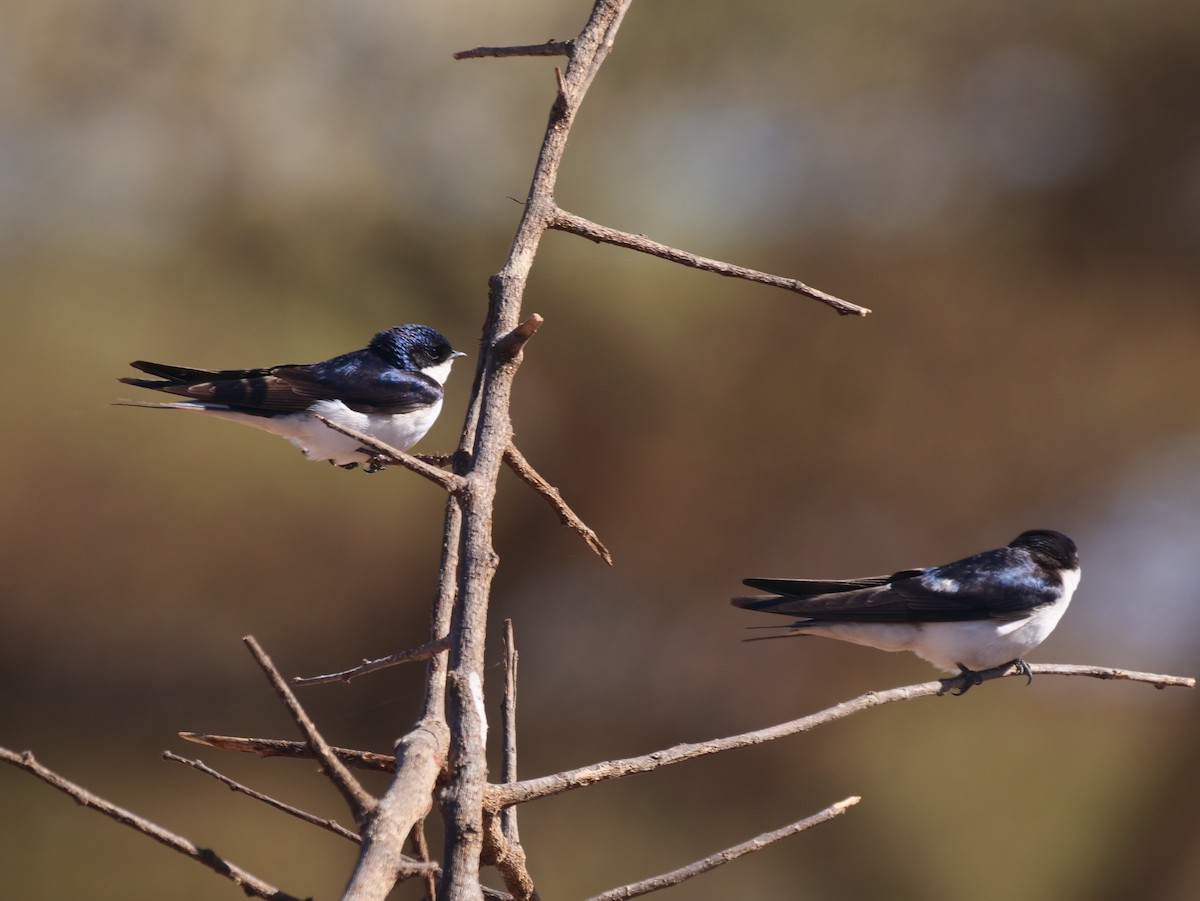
360,801
424,652
421,848
200,766
275,747
508,718
530,789
247,882
666,880
577,225
1107,672
447,480
550,48
530,476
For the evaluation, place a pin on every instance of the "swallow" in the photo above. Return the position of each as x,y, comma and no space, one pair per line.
390,390
974,614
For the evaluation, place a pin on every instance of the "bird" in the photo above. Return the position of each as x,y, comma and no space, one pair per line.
974,614
390,390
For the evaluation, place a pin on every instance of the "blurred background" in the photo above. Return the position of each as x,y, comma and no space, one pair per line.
1013,187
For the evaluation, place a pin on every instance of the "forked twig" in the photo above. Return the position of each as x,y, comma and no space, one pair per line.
247,882
666,880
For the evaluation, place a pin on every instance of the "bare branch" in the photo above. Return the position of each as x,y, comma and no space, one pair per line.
508,857
424,652
508,718
247,882
447,480
666,880
361,803
531,789
200,766
550,48
1107,672
421,847
530,476
420,759
275,747
577,225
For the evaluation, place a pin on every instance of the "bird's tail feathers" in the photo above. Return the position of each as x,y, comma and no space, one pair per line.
757,602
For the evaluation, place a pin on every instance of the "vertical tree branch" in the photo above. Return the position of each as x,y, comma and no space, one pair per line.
487,434
420,755
508,713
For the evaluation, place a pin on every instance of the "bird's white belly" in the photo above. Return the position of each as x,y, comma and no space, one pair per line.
319,442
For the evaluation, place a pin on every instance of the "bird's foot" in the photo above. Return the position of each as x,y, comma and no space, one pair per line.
972,678
374,463
1023,670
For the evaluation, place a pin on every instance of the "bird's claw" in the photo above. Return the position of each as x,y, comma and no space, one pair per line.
972,679
1023,670
375,463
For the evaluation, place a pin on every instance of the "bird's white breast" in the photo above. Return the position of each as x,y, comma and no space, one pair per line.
318,441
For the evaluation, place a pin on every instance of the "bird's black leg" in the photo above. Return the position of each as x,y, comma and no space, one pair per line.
973,678
1023,670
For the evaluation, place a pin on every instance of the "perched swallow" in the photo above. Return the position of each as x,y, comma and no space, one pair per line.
390,390
974,614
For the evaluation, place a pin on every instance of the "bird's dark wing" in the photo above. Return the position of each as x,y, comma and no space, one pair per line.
1003,583
806,588
998,584
370,387
849,600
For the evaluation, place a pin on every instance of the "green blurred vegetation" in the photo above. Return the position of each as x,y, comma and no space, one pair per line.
1014,188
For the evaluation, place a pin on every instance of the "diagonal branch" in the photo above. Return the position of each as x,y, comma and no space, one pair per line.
233,785
247,882
499,796
666,880
577,225
276,747
530,476
361,803
448,480
411,655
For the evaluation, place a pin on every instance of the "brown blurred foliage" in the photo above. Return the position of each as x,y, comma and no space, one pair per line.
1013,187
